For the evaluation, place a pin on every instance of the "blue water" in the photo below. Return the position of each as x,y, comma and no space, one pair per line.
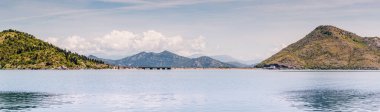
189,91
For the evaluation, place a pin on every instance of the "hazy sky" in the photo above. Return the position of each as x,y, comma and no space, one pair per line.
245,29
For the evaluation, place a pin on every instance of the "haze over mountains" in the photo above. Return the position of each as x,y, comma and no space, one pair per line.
329,47
231,60
165,59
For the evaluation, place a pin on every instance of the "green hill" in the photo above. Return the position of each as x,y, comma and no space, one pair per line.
19,50
328,47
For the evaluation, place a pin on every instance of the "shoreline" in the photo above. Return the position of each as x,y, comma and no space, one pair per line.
253,69
147,69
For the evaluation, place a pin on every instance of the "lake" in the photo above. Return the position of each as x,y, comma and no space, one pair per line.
189,91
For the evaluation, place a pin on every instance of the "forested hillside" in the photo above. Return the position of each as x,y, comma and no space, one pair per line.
19,50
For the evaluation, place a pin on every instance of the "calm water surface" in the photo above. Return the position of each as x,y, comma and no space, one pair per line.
189,91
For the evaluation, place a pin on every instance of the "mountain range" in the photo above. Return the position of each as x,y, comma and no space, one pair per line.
328,47
231,60
165,59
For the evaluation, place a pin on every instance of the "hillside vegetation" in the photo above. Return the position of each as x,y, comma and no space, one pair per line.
19,50
329,47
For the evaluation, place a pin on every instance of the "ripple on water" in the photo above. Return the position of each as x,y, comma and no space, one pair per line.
334,100
21,101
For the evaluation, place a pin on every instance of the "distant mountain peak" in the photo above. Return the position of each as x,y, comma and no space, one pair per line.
166,52
330,31
142,53
327,27
167,59
204,57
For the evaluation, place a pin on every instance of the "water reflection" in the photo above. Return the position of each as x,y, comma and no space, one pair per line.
334,100
152,102
17,101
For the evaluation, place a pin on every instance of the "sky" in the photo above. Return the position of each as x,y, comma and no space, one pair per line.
243,29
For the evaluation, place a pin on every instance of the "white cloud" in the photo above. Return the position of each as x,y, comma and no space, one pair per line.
122,43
